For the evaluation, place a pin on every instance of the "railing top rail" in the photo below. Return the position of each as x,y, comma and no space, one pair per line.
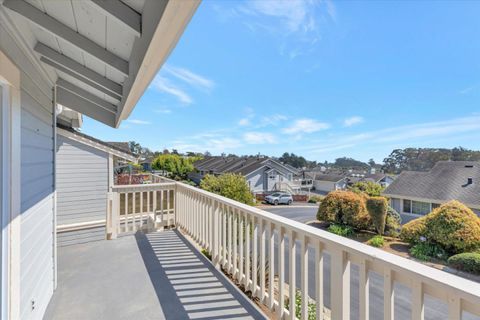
144,187
467,289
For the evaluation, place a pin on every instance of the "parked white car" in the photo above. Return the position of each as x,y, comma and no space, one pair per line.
279,198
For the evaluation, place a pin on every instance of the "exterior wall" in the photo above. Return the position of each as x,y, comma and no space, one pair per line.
396,204
324,186
256,181
82,186
37,183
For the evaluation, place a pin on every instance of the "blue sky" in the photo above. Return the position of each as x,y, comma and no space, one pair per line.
318,78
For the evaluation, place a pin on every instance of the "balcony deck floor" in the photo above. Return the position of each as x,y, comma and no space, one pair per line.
144,276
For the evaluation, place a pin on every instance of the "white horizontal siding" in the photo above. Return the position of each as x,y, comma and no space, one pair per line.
37,183
80,236
82,186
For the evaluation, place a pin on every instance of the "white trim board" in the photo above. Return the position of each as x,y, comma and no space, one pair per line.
10,204
96,145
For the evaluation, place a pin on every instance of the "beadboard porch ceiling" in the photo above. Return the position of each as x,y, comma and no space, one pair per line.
100,54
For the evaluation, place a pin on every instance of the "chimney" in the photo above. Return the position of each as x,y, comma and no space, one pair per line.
469,181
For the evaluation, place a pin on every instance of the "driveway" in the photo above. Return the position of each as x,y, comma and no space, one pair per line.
434,309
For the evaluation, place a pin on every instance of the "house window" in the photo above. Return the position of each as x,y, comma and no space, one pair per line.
435,205
407,206
272,175
420,207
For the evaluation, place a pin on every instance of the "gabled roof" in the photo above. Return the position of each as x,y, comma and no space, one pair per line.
329,177
242,165
447,180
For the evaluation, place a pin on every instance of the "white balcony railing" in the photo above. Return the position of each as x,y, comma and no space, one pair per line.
239,236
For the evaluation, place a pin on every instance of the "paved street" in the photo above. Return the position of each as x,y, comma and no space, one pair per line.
434,309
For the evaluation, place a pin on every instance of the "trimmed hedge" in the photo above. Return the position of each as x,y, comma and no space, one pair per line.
469,262
413,231
344,207
393,222
377,209
452,226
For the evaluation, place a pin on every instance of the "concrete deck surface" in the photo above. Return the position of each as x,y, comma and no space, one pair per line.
143,276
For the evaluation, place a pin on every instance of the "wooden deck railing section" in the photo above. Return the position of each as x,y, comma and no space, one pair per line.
240,237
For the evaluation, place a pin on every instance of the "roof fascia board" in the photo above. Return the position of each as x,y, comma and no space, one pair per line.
94,144
163,22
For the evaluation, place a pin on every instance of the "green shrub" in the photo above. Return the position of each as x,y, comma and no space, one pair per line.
230,185
454,226
377,241
377,209
413,231
468,261
207,254
315,199
312,307
426,250
344,207
341,230
393,222
369,188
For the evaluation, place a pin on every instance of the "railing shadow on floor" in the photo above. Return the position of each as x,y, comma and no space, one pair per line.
186,283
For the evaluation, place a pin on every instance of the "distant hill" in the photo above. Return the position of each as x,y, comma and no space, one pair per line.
423,159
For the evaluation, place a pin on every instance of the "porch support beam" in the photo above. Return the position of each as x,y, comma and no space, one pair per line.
79,77
76,67
87,95
58,29
122,13
82,105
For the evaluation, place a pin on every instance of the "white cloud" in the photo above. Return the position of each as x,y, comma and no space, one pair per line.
468,89
164,85
272,120
163,111
295,24
259,138
348,122
297,15
401,136
138,121
306,126
244,122
189,77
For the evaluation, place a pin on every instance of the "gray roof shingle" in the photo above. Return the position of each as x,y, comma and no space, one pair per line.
447,180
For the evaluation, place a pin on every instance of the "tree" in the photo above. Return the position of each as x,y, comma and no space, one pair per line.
423,159
177,166
230,185
293,160
371,163
349,163
370,188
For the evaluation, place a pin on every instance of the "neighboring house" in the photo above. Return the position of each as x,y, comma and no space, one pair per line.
324,183
417,193
84,176
262,174
147,164
381,178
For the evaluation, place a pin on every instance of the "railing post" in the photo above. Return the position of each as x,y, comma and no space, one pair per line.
291,273
340,284
418,308
388,294
215,236
115,214
304,277
175,203
364,291
319,279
